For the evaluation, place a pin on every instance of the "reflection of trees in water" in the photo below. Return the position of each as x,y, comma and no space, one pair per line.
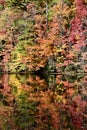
74,105
39,104
35,105
5,91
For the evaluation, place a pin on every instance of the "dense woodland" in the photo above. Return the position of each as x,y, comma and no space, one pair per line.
48,35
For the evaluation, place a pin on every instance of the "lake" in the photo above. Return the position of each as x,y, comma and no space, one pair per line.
46,102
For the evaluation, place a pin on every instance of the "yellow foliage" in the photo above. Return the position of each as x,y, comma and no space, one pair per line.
14,82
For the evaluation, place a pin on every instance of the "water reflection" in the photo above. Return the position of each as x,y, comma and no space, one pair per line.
30,102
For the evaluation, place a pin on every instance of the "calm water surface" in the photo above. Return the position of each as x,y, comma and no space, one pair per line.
52,102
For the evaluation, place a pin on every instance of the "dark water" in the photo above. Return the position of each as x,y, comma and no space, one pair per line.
52,102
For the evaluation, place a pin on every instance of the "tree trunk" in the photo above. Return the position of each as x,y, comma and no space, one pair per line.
47,14
61,17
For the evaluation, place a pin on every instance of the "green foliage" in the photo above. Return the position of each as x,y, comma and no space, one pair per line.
2,45
1,48
18,3
66,1
3,100
1,68
25,112
16,67
1,7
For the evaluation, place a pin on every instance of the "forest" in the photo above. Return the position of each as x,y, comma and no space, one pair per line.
43,35
43,64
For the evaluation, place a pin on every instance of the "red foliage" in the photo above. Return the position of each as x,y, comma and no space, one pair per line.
76,33
2,2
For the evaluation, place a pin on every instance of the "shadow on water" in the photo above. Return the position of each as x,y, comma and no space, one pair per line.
51,102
